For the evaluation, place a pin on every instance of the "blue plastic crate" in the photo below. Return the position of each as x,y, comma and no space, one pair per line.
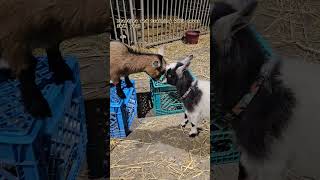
165,99
122,111
37,149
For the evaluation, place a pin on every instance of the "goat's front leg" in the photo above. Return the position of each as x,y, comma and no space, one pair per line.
24,65
243,174
193,118
61,71
128,82
185,120
120,92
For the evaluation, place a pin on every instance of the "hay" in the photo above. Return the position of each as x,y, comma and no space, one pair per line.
166,153
292,26
114,143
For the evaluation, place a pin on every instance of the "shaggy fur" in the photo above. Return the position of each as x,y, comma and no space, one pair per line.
26,25
125,61
268,114
279,130
183,84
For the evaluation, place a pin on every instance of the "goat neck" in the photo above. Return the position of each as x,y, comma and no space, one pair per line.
185,84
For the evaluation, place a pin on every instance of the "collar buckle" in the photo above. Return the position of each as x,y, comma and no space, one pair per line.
193,84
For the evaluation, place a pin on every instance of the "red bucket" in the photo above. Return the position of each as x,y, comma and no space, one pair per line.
192,37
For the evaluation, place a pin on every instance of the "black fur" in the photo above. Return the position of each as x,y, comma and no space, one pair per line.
233,73
182,84
5,74
32,97
220,9
61,71
120,92
243,174
128,82
185,117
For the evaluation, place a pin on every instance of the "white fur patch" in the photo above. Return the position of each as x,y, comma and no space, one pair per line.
171,66
202,109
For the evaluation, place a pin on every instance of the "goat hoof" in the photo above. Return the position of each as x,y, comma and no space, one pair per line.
121,95
129,85
64,74
183,124
193,135
39,108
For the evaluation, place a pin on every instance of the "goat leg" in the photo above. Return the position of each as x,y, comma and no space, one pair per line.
184,121
61,71
120,92
128,82
5,71
32,97
243,175
194,124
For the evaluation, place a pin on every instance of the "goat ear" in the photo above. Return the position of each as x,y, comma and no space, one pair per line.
225,26
246,13
161,50
244,16
155,64
186,62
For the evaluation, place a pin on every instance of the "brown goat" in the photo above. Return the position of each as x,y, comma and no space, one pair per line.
26,25
125,61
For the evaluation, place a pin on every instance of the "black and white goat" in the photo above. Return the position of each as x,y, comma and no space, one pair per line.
280,127
194,94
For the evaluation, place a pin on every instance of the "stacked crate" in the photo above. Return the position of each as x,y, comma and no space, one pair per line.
122,111
165,99
51,148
